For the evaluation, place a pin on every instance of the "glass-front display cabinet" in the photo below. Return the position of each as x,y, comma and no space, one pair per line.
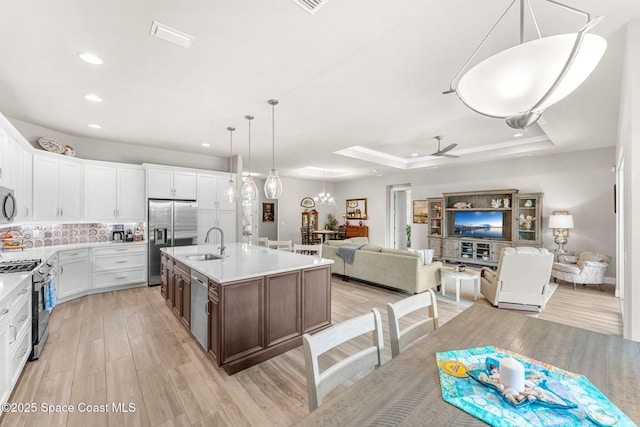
310,219
528,214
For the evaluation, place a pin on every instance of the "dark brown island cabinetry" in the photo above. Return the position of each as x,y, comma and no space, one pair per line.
257,318
175,287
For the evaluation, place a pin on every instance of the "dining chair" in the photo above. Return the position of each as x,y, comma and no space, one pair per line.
320,384
401,339
307,237
283,245
315,250
258,241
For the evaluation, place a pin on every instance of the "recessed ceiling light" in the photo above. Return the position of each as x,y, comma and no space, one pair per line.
374,170
204,144
414,154
517,134
90,58
94,126
93,97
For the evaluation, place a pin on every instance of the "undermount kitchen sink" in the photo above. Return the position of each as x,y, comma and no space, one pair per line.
203,257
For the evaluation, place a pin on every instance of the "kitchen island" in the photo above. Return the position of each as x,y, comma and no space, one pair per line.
260,300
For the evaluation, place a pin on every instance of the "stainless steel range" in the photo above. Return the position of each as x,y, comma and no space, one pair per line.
43,277
18,266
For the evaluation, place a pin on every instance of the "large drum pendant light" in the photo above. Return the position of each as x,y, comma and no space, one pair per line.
232,192
273,185
249,190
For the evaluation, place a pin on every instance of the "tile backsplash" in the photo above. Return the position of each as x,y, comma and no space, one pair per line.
39,235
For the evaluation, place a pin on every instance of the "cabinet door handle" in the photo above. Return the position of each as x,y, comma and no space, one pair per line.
75,254
121,262
121,277
115,213
121,250
14,334
206,307
61,211
23,318
22,353
26,211
4,311
61,270
24,291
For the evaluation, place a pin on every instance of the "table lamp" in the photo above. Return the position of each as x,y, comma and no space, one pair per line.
561,225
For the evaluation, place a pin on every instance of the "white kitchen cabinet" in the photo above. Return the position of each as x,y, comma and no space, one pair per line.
24,186
4,163
226,220
73,274
113,193
212,191
57,189
118,265
15,336
170,183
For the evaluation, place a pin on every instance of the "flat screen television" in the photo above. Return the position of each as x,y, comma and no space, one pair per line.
487,224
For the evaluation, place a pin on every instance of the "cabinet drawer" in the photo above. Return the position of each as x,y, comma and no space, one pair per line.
119,261
21,319
116,278
73,255
20,351
120,249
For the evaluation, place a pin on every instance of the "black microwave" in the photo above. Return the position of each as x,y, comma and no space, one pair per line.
8,207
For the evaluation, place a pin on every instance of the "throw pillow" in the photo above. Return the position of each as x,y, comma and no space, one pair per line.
418,252
428,256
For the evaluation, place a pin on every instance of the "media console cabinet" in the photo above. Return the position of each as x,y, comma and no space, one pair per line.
472,227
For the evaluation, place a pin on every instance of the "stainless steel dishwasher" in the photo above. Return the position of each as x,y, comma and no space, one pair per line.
200,308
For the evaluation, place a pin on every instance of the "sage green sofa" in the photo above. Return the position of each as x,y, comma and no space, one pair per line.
397,269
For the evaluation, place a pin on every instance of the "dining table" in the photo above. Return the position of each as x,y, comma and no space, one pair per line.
324,233
406,390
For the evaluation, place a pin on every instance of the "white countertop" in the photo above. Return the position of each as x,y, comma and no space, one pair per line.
8,282
243,261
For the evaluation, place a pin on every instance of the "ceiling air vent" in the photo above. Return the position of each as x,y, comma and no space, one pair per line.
171,35
310,6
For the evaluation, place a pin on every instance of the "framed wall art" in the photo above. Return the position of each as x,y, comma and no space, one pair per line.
420,212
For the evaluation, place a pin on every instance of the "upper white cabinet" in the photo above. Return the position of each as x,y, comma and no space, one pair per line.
212,192
113,193
57,189
24,188
4,143
170,183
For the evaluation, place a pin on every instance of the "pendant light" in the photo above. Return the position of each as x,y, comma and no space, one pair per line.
232,192
273,185
324,198
519,83
249,190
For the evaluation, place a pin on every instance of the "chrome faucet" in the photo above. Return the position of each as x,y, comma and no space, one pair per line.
206,239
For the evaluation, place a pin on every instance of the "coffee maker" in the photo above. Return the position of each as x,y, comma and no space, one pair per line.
117,234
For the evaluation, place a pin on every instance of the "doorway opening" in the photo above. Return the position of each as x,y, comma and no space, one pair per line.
400,216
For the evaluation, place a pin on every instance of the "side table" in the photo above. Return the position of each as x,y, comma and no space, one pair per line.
467,274
557,253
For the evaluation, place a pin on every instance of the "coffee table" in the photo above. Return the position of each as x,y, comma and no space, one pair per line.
467,274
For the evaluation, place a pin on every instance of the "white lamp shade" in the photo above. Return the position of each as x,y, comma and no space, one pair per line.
512,82
561,221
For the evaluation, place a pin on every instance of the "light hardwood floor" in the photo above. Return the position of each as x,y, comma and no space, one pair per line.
127,347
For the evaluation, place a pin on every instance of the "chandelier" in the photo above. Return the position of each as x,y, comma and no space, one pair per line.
519,83
324,198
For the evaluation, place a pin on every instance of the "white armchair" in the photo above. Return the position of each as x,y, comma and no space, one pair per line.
588,268
521,281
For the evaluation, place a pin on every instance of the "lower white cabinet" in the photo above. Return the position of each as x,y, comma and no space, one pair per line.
15,336
73,273
119,265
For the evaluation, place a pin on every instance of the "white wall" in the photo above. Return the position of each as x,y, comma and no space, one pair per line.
627,151
580,182
110,151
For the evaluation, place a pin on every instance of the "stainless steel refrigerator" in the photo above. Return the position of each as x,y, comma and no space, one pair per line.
171,223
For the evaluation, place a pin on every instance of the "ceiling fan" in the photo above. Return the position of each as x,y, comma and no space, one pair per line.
443,152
